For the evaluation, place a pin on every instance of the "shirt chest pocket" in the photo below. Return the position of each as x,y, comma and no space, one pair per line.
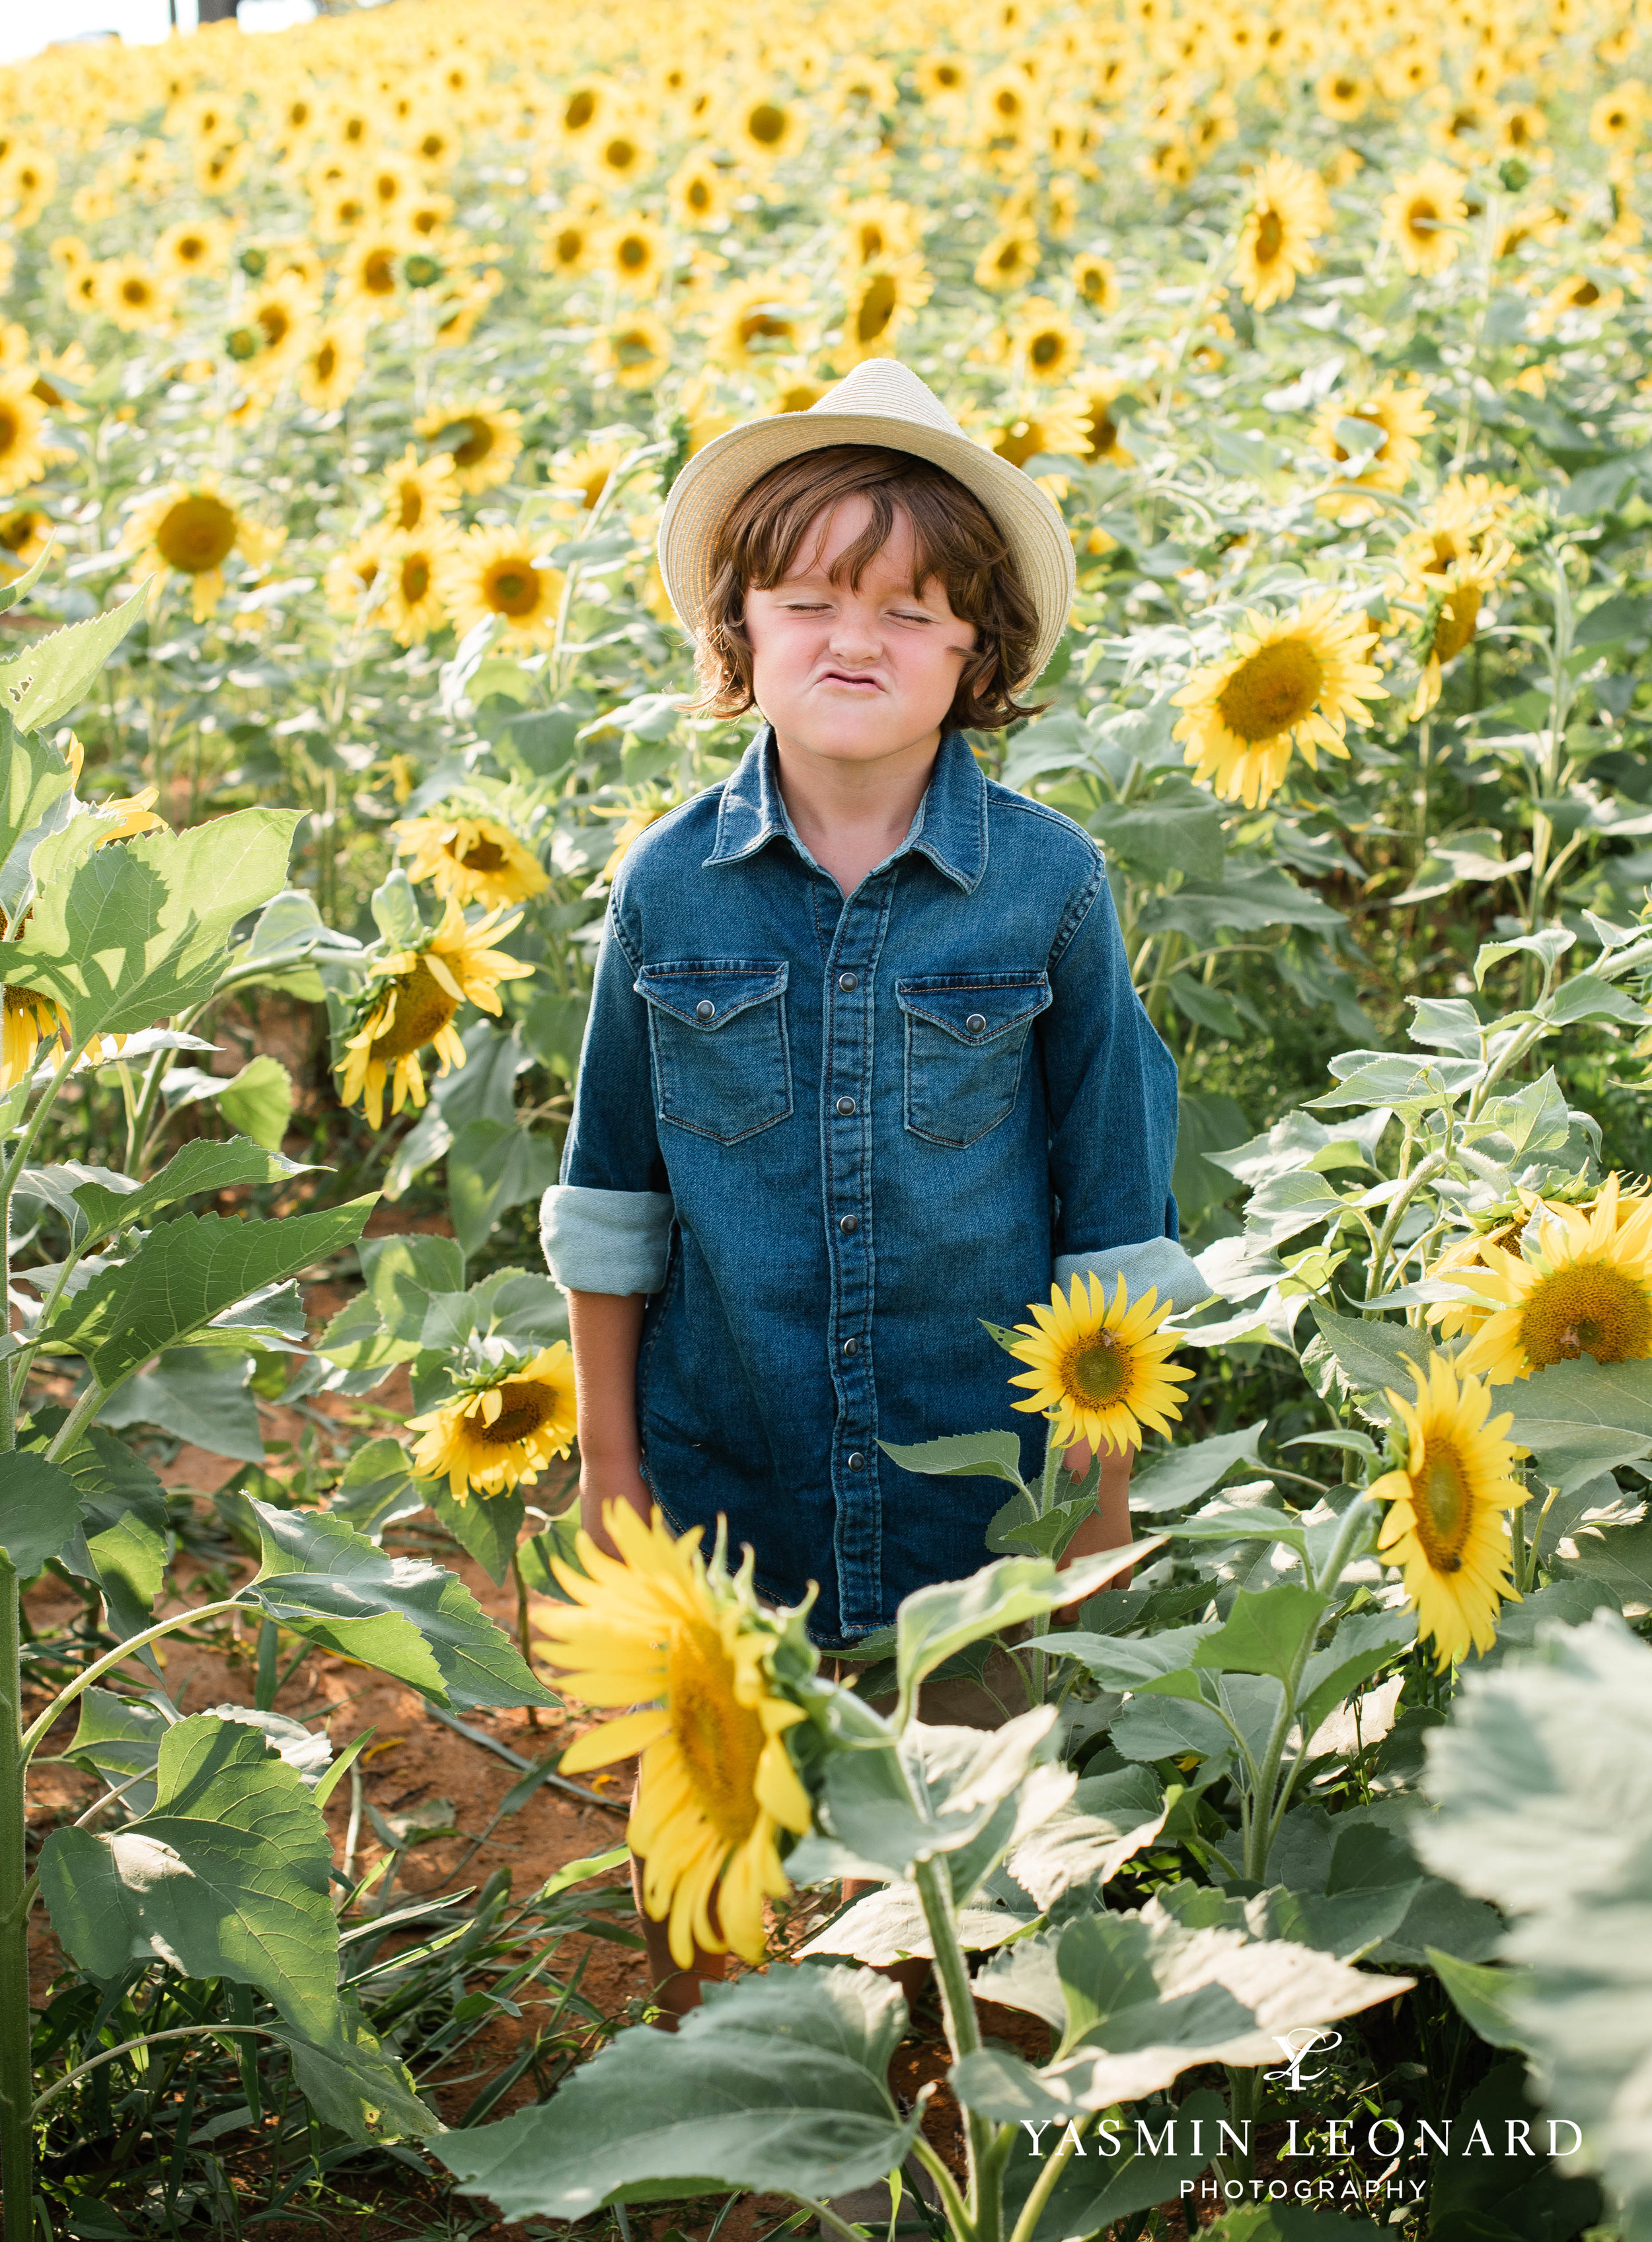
717,1031
966,1038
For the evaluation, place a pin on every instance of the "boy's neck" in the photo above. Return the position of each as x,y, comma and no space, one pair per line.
851,814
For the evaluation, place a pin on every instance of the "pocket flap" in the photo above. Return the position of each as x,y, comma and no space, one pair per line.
729,985
975,1007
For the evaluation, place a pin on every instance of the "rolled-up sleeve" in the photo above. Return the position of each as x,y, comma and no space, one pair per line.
1111,1087
606,1225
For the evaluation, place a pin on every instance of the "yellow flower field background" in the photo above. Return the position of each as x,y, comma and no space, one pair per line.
343,374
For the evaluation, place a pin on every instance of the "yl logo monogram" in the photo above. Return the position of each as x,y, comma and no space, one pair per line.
1298,2046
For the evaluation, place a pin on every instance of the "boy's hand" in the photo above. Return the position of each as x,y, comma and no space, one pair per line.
600,1486
1108,1526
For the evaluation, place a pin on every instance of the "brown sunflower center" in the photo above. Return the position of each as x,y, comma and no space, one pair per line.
1098,1371
10,430
415,578
423,1007
1093,285
569,245
1587,1307
761,327
474,447
196,533
136,290
483,857
581,108
1270,237
16,529
877,309
1272,691
524,1406
513,586
1104,432
1422,217
766,123
1046,349
1583,295
410,505
635,254
621,155
326,361
721,1742
698,195
378,273
192,249
276,323
1443,1505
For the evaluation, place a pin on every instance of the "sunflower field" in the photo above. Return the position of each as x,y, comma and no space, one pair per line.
343,373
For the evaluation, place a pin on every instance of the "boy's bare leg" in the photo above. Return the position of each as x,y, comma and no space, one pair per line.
674,1990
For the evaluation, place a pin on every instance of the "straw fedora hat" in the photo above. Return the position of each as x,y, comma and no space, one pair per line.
880,402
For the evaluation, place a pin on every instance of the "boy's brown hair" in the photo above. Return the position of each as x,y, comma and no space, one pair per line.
954,540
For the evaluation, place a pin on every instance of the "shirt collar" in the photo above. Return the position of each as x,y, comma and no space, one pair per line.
950,827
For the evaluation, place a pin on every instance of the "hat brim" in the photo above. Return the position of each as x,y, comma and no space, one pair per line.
714,478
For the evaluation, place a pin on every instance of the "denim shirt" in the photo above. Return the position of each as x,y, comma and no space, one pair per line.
829,1136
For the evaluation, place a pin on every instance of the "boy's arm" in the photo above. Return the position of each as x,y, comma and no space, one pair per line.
604,1328
1108,1525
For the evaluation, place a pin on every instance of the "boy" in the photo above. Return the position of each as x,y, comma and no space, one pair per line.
864,1064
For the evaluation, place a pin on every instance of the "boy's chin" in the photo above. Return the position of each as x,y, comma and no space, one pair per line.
856,734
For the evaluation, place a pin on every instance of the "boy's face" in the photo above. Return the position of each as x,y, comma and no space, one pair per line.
854,672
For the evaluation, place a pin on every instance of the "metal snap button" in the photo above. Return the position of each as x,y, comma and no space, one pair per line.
856,1461
847,982
849,1223
975,1021
705,1010
846,1106
851,1347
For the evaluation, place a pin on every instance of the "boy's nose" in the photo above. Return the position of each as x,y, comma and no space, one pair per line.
855,638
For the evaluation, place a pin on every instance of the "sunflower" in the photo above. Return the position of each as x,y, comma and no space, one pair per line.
413,605
492,572
411,1003
280,314
619,154
1056,427
499,1430
695,194
1445,1526
637,255
1464,519
23,457
586,471
878,230
1092,398
1520,127
943,80
1046,348
481,438
1099,1372
758,321
1403,417
766,127
29,1020
790,397
351,574
416,491
330,364
568,241
1096,283
1342,95
1584,1288
635,351
881,298
194,528
370,276
219,170
1009,260
1283,682
1288,213
133,294
1424,218
24,534
195,245
640,809
1617,116
656,1628
470,860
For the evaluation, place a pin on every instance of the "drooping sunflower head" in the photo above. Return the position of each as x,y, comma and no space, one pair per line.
1582,1286
474,860
659,1628
502,1427
1099,1370
410,1005
1290,681
1446,1526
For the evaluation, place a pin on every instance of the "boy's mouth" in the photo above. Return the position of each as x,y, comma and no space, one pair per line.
852,677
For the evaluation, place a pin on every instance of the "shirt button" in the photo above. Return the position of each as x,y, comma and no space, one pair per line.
975,1021
705,1010
849,1223
856,1461
846,1106
848,982
851,1347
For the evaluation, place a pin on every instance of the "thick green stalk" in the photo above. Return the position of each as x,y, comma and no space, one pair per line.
963,2034
16,2079
1044,2186
60,1704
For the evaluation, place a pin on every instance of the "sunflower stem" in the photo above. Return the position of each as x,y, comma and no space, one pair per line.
523,1628
934,1883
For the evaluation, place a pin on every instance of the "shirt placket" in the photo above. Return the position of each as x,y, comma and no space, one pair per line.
846,1139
